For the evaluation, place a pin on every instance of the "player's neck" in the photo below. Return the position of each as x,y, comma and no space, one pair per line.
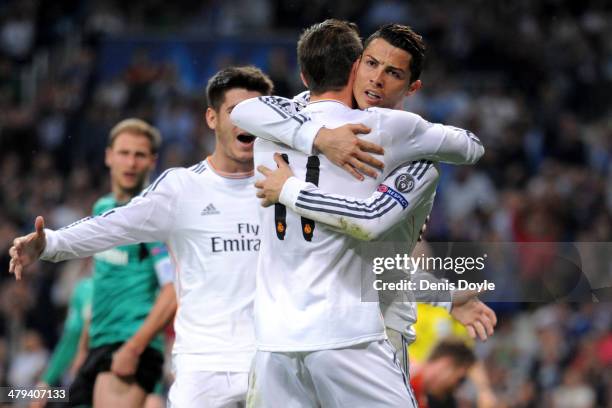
122,195
226,166
344,96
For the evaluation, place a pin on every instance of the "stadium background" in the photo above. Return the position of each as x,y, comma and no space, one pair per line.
532,78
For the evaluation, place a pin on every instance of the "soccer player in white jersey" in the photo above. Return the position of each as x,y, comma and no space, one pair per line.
207,215
388,71
318,343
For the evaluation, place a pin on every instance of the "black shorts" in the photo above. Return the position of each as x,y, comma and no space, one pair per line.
99,360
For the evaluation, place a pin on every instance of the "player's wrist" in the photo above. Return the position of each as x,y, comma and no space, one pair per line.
305,137
321,140
134,347
290,191
47,250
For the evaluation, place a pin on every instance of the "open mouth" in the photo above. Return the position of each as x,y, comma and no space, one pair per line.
372,95
246,138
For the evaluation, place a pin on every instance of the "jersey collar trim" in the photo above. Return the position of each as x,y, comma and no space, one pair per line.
227,175
329,100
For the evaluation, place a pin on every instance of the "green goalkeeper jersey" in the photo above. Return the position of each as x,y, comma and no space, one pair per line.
126,281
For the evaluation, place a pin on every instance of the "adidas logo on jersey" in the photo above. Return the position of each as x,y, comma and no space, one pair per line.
209,210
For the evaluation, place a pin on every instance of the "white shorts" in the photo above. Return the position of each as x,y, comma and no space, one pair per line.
208,389
364,375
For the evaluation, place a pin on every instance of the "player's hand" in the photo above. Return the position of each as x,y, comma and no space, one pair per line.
343,148
125,361
269,189
478,318
27,249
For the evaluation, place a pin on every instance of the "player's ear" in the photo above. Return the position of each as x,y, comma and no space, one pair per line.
355,66
415,86
303,79
353,75
211,118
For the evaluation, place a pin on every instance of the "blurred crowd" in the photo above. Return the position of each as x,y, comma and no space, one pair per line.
532,79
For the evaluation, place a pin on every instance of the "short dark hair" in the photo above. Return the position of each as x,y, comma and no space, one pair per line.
326,53
403,37
456,350
248,77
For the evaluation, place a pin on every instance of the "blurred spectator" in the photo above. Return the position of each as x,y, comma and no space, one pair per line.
18,31
28,363
574,392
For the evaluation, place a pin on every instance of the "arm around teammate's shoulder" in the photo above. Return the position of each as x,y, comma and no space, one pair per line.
411,137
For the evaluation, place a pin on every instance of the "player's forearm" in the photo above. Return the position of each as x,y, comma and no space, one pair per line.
365,219
431,141
441,296
362,219
451,144
81,241
159,317
460,146
134,223
276,119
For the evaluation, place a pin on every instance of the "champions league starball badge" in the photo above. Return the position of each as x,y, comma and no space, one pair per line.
404,183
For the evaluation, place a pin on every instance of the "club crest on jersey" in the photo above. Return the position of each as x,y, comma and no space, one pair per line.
404,183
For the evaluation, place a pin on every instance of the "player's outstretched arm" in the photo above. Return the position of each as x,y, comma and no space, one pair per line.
147,218
365,219
27,249
280,120
126,358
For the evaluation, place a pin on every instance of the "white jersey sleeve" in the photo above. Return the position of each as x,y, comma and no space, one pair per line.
366,219
413,136
146,218
277,119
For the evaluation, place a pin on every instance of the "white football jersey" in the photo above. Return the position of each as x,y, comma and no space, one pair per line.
210,225
309,276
